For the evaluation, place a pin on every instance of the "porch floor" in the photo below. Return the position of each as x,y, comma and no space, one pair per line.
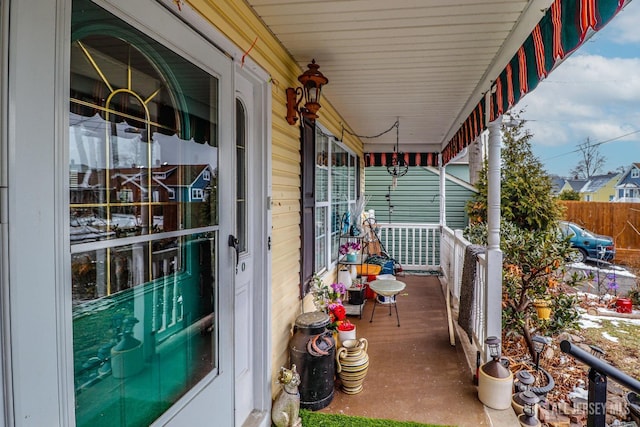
414,373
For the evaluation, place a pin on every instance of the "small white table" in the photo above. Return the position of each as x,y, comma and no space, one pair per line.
387,288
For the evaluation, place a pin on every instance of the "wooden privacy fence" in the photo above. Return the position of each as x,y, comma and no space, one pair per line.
619,220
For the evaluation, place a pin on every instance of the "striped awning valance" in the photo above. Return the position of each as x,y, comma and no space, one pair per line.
411,159
564,27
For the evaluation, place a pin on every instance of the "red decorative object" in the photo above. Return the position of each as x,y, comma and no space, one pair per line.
623,305
368,293
345,325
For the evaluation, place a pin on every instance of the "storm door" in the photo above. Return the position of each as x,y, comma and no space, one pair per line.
150,271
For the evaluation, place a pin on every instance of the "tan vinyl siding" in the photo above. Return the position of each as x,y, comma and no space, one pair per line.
234,19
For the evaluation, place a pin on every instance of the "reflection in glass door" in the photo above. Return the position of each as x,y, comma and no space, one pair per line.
143,140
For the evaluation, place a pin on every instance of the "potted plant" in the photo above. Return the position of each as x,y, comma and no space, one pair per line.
328,298
346,330
350,250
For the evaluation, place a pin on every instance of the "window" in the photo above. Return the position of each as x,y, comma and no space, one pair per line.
242,220
125,195
336,193
197,193
143,261
635,173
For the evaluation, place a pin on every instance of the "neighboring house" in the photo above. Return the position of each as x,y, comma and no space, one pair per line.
575,184
599,188
560,184
627,189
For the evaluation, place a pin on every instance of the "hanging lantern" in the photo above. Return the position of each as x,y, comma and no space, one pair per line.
397,166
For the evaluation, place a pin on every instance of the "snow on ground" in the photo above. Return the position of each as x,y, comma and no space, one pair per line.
609,337
613,269
590,321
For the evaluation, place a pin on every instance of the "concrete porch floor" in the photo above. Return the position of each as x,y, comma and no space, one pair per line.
414,373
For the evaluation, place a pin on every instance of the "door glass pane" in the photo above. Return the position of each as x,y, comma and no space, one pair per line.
143,208
241,176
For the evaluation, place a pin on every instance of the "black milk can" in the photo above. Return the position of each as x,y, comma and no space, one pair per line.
313,350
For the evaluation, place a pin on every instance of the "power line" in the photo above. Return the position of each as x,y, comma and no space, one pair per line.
596,144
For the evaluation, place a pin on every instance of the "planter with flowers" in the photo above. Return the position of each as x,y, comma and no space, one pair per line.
346,331
328,298
350,250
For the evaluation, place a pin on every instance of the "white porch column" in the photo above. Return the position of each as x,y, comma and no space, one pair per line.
493,279
443,199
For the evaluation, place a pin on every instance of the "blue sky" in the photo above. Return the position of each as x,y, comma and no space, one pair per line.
594,94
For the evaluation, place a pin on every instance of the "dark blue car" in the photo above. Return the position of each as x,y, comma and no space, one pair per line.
588,244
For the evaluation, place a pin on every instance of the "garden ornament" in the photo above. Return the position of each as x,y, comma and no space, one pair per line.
286,406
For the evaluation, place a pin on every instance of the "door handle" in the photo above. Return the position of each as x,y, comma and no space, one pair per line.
235,244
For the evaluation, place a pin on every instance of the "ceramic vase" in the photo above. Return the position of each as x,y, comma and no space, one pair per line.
344,277
352,362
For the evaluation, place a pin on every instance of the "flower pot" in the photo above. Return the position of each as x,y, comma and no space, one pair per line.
623,305
346,335
543,309
352,257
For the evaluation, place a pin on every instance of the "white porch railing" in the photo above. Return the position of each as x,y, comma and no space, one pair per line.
413,246
167,308
452,260
427,247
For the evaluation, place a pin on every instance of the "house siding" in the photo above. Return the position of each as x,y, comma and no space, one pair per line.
604,194
599,188
627,188
238,22
417,197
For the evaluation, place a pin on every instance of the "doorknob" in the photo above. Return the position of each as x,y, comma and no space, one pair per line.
235,244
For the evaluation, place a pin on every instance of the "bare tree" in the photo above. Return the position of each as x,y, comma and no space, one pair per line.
592,161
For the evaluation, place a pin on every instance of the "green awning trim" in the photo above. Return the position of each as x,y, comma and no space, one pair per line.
563,29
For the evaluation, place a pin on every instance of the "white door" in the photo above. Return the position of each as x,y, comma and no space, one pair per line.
249,304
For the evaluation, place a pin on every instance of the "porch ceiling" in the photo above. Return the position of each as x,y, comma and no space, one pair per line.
424,62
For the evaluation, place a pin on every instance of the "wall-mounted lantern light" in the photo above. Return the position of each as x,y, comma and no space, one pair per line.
312,81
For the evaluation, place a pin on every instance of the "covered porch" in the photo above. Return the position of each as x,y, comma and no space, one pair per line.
422,370
415,374
438,77
441,78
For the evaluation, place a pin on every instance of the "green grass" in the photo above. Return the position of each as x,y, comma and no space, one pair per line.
623,354
319,419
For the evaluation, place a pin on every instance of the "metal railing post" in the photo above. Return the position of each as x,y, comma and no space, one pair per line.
600,370
597,405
